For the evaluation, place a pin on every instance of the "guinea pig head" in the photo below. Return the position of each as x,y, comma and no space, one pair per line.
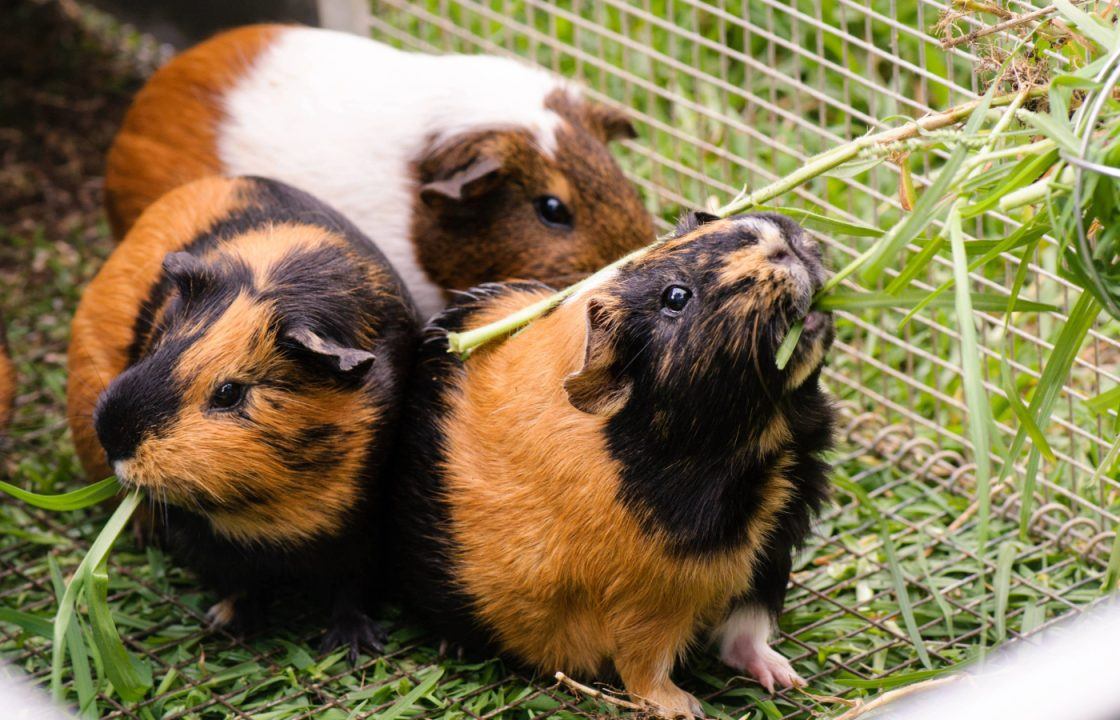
684,338
251,404
548,204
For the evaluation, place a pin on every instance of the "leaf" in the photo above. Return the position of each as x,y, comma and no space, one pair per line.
855,167
816,221
1020,411
131,677
96,554
1089,26
904,605
1066,347
1026,171
980,424
789,344
1109,400
27,622
408,701
1003,587
987,302
1058,130
76,500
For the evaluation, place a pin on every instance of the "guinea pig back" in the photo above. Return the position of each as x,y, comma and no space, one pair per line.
465,169
240,357
629,469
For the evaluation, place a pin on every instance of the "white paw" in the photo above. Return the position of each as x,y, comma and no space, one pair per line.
744,645
765,665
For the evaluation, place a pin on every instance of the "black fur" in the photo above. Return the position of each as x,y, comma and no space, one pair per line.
322,289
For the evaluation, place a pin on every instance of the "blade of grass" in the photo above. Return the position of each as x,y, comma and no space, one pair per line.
989,302
26,621
131,677
66,605
407,702
76,500
980,417
79,656
816,221
1004,560
938,598
904,605
1021,412
1058,364
789,344
1024,235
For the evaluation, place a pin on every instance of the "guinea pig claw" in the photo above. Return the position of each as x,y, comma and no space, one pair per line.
357,632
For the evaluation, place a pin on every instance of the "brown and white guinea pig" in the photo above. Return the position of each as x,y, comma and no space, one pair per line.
241,357
464,169
7,385
630,469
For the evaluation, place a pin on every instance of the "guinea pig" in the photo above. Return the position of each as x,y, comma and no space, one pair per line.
630,469
465,169
7,384
241,357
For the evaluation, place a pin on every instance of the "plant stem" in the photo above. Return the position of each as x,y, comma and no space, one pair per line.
464,343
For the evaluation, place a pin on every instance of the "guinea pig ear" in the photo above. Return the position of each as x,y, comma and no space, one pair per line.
466,183
694,219
189,273
343,360
598,388
611,123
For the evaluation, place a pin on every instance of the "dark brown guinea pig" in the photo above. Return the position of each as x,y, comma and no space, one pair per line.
463,168
630,469
7,385
240,357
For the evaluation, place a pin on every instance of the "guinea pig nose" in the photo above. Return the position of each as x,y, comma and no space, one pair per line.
117,430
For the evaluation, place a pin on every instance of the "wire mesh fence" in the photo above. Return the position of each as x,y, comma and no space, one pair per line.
725,94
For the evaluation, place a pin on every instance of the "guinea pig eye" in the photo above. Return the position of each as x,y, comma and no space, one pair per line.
674,299
553,212
228,395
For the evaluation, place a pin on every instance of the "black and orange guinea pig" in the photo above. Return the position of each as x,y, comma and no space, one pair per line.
464,169
241,358
629,470
7,385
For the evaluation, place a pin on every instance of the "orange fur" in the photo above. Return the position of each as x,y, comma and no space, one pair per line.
102,330
169,134
560,570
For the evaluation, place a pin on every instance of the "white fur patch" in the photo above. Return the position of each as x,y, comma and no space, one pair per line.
745,622
343,117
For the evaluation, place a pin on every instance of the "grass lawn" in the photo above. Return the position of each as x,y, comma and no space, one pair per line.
891,589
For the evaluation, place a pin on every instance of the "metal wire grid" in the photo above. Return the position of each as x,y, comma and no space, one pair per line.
785,88
917,467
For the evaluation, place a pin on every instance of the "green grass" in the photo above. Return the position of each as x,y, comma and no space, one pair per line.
894,566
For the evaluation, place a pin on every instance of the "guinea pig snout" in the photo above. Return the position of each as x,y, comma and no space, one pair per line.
130,411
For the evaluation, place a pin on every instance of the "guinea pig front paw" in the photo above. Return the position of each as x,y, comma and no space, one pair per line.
763,663
356,631
222,614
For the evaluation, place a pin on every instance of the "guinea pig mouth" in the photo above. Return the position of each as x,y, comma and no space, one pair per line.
816,322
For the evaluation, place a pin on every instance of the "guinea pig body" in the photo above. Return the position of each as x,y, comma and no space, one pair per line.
7,383
629,469
241,358
465,168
